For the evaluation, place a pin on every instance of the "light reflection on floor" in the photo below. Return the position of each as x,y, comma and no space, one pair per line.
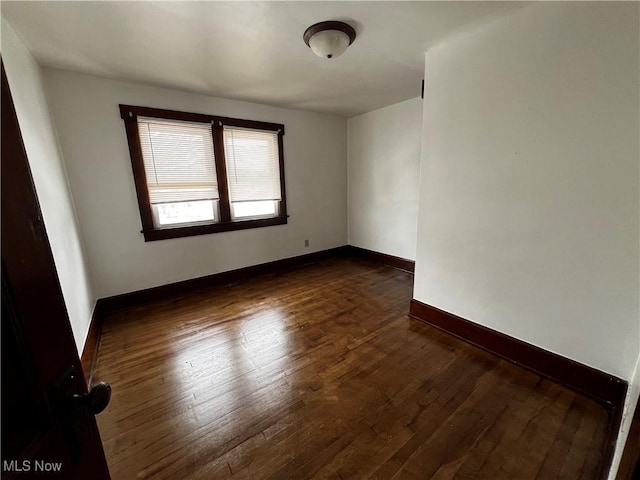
260,344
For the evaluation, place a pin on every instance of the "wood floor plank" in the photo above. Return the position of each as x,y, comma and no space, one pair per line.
319,373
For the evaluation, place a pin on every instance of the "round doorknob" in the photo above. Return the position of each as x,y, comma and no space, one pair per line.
97,399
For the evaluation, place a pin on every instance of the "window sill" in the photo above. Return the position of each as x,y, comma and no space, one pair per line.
190,231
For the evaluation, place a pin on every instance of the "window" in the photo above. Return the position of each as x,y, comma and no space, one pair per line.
198,174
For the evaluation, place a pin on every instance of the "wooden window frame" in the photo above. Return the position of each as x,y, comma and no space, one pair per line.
130,115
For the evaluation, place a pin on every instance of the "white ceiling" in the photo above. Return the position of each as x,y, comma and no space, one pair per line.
249,50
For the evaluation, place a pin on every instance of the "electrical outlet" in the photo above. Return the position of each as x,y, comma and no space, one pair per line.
306,243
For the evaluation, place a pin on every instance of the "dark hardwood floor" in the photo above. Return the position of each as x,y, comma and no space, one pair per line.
320,373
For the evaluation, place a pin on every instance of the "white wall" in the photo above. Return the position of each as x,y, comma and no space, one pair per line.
631,403
383,177
94,144
49,176
528,211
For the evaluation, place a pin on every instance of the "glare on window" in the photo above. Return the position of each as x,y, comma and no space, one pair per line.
185,212
254,209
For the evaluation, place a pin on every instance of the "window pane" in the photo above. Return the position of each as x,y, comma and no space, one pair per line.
253,165
255,209
184,212
178,159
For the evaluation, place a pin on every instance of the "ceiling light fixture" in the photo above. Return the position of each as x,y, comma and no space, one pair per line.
329,39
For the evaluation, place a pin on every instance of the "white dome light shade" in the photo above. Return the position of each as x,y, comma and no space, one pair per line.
329,39
329,43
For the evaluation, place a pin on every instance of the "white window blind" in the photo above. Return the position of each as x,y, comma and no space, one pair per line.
253,167
178,160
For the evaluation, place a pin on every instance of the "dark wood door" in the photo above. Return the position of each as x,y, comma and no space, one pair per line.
48,428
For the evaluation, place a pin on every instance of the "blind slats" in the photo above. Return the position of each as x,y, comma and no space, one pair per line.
178,160
253,167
